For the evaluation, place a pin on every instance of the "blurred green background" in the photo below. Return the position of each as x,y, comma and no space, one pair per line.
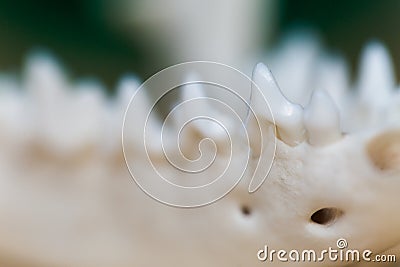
89,42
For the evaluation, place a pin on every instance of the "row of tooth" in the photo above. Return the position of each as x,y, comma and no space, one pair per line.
320,119
70,119
330,113
63,117
323,117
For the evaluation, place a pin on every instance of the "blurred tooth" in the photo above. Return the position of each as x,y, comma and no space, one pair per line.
288,116
49,105
296,58
88,102
321,119
376,78
127,88
197,104
44,78
333,76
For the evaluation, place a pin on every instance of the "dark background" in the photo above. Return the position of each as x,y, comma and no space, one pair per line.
77,33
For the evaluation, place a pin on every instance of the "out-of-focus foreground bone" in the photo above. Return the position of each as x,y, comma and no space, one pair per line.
67,199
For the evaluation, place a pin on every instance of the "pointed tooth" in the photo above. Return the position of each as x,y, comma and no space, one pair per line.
321,119
376,77
296,58
125,90
287,115
44,78
333,76
45,82
48,103
199,105
128,88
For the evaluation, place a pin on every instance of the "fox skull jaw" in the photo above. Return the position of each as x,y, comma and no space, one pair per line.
323,185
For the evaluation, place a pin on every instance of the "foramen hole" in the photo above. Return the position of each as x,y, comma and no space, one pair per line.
326,216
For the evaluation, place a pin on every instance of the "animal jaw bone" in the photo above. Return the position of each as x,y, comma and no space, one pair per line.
74,204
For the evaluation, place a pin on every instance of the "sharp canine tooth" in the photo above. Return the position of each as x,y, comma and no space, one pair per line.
287,116
376,78
321,119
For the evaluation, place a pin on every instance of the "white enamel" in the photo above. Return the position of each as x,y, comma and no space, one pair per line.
288,116
128,87
376,78
198,104
321,119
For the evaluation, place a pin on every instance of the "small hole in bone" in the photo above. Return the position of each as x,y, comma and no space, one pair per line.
246,211
326,216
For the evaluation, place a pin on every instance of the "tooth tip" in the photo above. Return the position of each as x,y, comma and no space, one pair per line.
376,53
260,65
321,96
320,103
376,45
129,81
264,71
126,87
286,115
42,63
321,119
376,69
